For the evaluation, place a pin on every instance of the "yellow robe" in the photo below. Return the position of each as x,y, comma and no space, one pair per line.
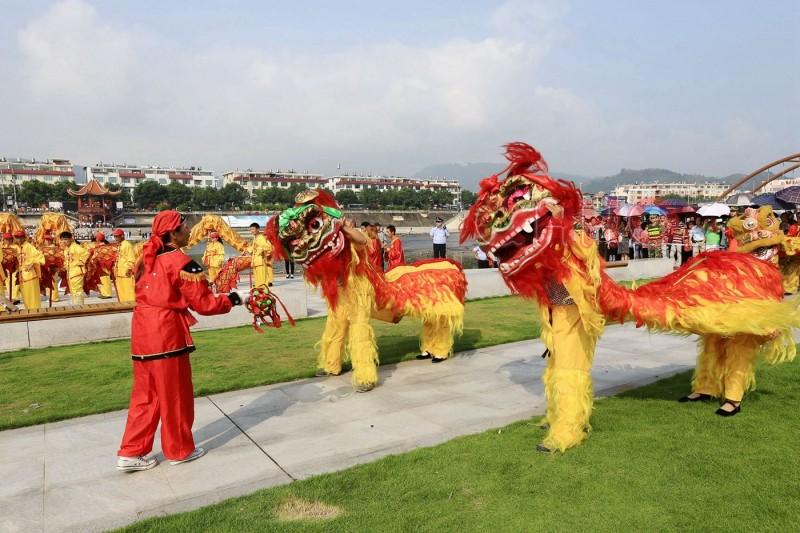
261,251
30,263
123,272
213,258
75,257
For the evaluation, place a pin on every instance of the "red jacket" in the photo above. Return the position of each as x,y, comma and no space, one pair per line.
395,254
164,295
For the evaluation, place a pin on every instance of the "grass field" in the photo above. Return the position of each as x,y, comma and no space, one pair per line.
62,382
651,464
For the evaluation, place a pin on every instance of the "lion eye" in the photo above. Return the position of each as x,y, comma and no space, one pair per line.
750,224
315,224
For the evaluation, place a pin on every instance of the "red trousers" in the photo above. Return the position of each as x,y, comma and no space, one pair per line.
162,390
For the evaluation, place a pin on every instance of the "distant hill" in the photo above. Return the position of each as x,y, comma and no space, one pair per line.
470,174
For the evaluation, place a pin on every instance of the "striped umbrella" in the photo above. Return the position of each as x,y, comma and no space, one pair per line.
789,194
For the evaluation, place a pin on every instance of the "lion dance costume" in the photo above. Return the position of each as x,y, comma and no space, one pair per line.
731,300
311,234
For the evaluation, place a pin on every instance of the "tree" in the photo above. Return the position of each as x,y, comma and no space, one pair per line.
148,194
272,196
204,198
178,195
370,197
34,193
442,198
124,197
468,198
346,198
233,195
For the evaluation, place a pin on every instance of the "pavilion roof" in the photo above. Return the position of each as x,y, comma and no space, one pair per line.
93,188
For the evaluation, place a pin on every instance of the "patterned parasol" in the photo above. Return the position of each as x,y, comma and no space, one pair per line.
772,200
789,194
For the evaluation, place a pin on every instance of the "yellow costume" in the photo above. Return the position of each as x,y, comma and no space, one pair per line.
261,251
30,263
123,272
213,258
731,300
75,257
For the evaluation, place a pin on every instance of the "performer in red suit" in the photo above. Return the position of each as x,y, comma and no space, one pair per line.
395,252
168,284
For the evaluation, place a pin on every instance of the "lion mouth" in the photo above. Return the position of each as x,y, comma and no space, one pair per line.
530,233
334,246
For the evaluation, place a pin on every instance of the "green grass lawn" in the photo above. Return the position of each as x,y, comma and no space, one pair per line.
651,464
71,381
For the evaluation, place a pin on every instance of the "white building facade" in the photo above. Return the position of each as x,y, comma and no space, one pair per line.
18,171
690,191
255,180
129,176
779,184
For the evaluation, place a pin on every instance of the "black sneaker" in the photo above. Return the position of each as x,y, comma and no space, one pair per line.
424,355
435,359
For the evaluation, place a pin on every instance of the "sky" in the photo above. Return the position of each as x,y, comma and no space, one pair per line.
709,87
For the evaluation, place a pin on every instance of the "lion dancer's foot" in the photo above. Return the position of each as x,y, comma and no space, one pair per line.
364,355
436,341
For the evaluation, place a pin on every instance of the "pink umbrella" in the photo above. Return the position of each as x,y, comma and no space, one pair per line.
636,211
623,210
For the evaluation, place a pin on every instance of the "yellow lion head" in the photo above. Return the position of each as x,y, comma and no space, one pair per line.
758,232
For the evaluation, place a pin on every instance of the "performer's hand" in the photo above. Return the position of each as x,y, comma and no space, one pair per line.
347,222
235,298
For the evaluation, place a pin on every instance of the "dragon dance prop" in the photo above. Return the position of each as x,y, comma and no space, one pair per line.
100,263
733,301
9,223
263,305
228,276
215,223
312,234
53,224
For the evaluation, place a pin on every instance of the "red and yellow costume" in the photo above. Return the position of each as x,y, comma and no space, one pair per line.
10,264
526,220
312,234
104,286
75,257
168,285
394,254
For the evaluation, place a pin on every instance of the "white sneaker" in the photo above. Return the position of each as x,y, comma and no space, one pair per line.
134,464
196,454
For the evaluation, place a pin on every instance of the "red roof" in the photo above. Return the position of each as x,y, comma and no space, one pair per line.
93,188
380,182
37,172
183,177
131,174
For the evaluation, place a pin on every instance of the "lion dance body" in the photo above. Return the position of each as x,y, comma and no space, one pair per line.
731,300
311,233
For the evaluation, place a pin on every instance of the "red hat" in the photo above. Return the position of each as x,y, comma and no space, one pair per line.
119,233
214,235
19,234
99,236
166,221
8,235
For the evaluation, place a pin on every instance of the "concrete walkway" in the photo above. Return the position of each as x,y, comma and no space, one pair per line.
61,476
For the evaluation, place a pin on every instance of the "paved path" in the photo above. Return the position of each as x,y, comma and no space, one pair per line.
61,476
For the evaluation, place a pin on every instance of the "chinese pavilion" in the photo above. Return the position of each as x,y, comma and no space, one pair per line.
95,202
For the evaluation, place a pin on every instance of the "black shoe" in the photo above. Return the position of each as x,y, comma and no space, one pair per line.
542,448
424,355
723,412
269,284
438,359
701,398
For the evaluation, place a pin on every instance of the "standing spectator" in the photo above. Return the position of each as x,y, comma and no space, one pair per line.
697,238
374,250
612,241
624,244
639,238
394,253
384,240
480,255
439,235
677,238
654,238
288,265
713,236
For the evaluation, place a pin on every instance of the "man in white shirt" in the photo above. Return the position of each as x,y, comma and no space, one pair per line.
480,255
439,234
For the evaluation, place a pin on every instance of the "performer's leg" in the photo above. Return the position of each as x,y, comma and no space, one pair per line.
126,289
708,371
31,295
259,276
172,378
363,348
568,381
143,414
53,291
76,294
212,274
105,287
438,334
331,351
739,363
